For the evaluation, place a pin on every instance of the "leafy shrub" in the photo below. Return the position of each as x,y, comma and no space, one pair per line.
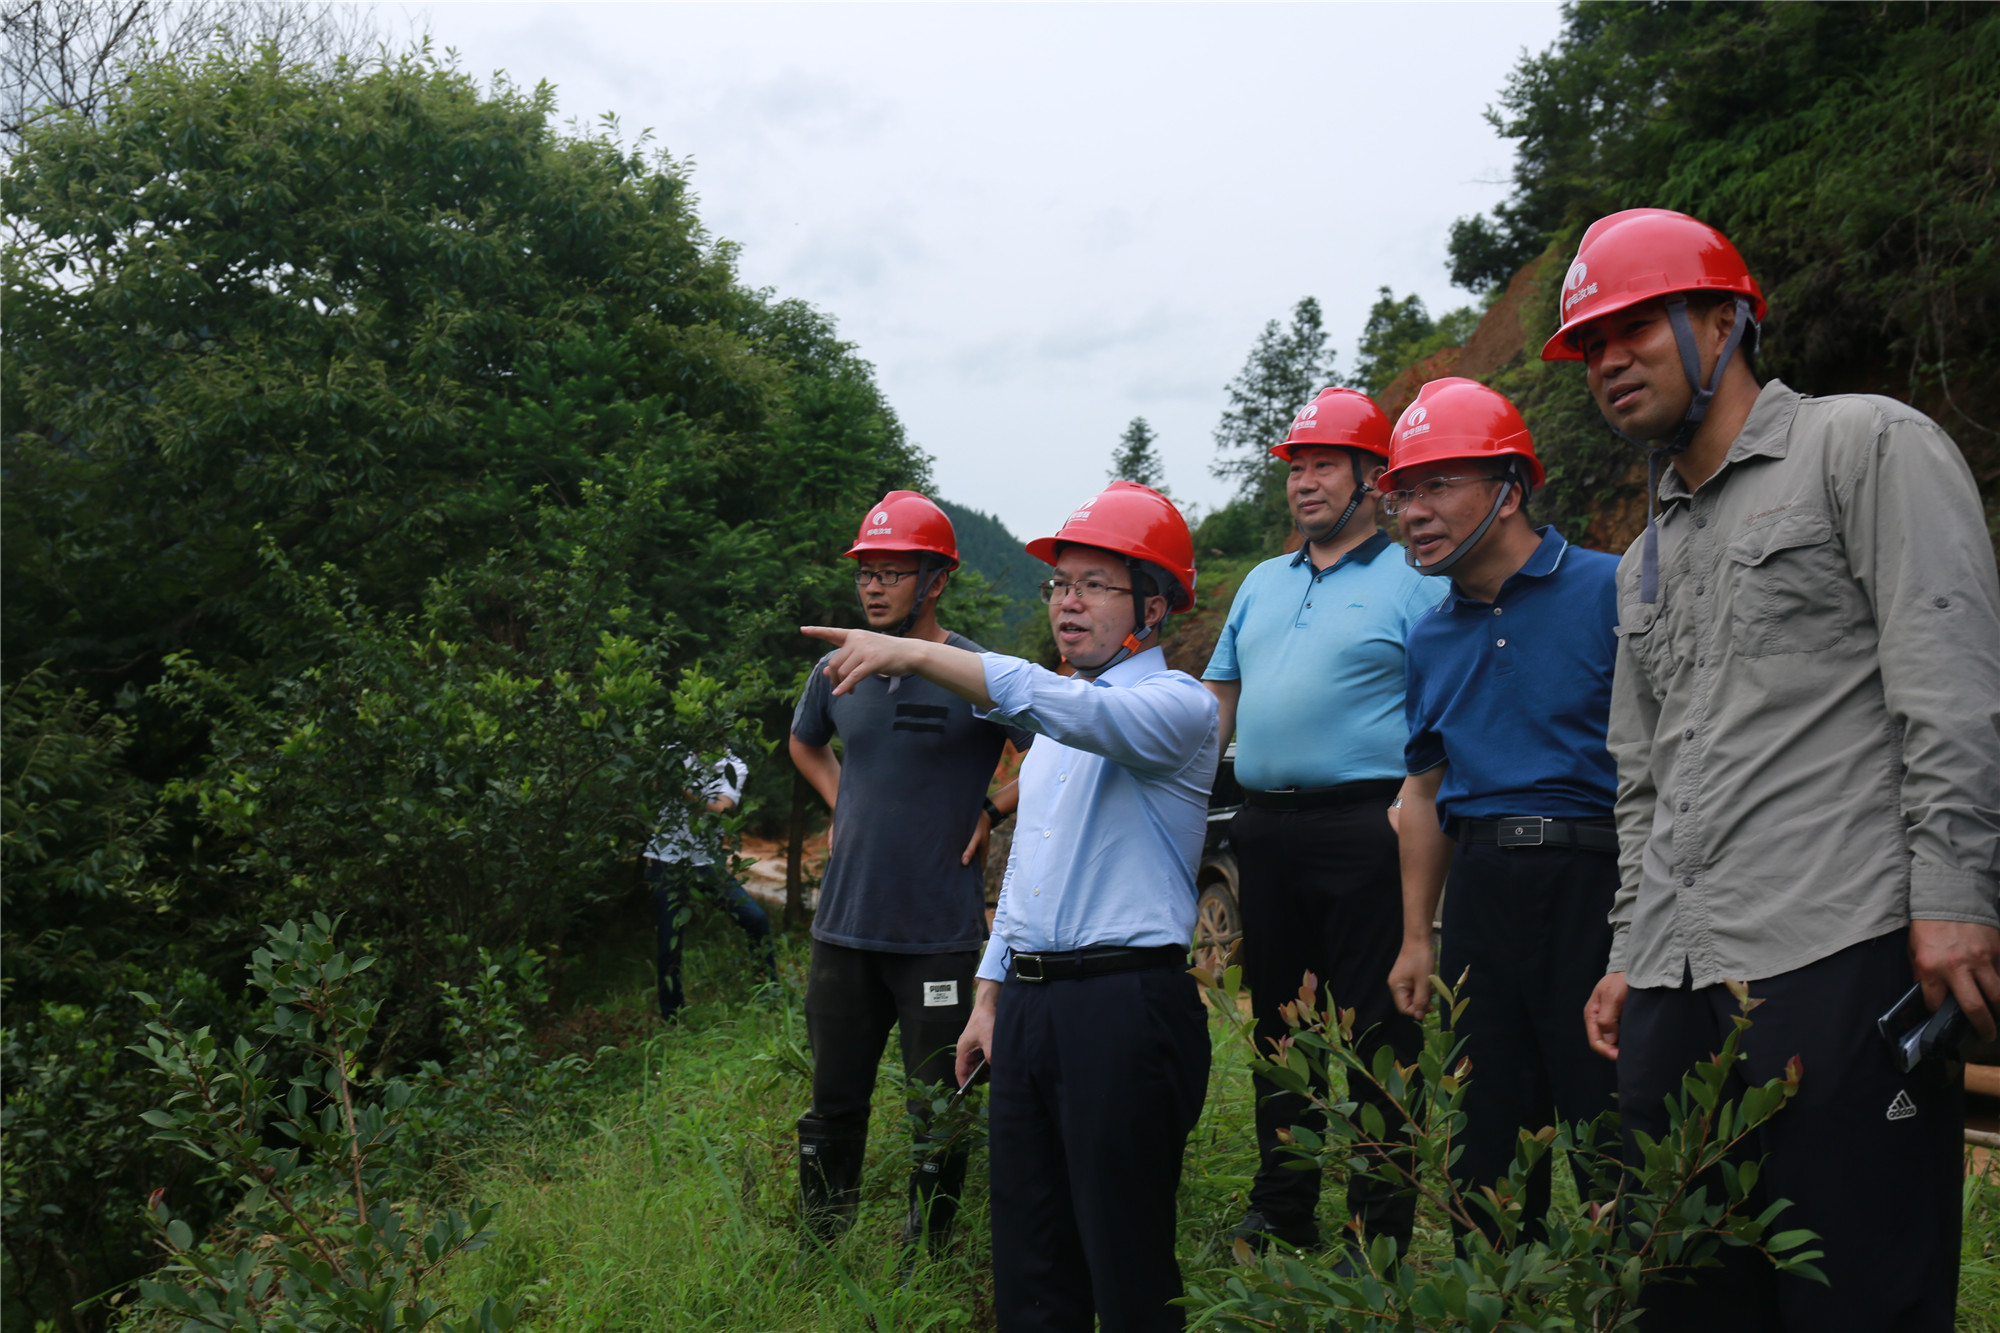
469,778
323,1235
1675,1210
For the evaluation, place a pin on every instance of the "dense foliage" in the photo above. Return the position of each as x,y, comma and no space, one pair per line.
1848,150
1135,459
415,485
1286,366
1400,333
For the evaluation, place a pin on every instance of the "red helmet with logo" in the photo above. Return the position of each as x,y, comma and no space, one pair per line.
1135,521
1639,254
1458,418
1338,418
906,521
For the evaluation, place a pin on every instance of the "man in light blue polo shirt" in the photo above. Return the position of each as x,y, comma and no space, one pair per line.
1309,674
1510,692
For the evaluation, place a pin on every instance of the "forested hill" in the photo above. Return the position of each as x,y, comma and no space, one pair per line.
985,544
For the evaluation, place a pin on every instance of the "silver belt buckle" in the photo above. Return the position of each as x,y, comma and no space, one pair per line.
1522,832
1020,971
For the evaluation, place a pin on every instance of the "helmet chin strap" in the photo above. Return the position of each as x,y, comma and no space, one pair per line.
1697,412
1135,642
1361,488
1444,563
929,571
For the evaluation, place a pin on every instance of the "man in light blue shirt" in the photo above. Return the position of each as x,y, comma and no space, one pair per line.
1309,669
1095,1034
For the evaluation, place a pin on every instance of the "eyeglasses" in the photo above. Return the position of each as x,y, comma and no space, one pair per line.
1430,490
888,578
1091,591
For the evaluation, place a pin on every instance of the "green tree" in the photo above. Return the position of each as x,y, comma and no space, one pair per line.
1278,379
1847,150
1400,333
1135,459
1285,367
443,454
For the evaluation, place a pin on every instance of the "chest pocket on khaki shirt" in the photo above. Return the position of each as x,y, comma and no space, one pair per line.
1791,590
1636,626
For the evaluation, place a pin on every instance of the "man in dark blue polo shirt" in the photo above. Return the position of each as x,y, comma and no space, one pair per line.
1308,672
1509,695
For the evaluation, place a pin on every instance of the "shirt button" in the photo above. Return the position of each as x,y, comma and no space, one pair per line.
1701,661
1045,833
1702,521
1684,805
1499,643
1687,735
1688,880
1309,606
1062,777
1496,610
1038,893
1700,588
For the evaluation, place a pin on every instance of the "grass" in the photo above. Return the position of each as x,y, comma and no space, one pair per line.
667,1203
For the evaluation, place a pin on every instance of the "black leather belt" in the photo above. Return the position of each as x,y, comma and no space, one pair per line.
1040,967
1292,799
1536,831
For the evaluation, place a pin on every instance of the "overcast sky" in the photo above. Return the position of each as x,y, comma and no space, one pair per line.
1042,221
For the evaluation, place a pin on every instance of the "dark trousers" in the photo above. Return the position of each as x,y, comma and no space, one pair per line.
1322,892
1529,924
855,996
1872,1159
1096,1085
675,886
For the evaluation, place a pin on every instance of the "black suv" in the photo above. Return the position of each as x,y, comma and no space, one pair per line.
1218,920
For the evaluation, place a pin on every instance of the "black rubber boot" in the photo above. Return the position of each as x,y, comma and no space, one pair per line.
935,1184
934,1190
830,1159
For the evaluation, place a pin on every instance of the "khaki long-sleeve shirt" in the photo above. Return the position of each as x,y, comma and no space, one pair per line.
1807,721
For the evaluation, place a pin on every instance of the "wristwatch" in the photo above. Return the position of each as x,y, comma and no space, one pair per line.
995,816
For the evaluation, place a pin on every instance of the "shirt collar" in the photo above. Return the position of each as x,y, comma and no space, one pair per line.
1363,554
1544,562
1136,667
1766,433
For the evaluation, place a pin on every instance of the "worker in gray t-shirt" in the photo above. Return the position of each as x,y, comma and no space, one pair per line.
901,917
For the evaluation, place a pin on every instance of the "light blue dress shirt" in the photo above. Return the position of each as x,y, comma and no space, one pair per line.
1114,806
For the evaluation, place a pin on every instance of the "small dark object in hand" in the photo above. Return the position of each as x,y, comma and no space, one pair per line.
1916,1034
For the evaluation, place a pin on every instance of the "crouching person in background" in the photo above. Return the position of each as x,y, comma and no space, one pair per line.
1095,1033
681,866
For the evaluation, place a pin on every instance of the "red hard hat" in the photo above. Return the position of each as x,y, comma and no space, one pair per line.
1338,418
1135,521
1458,418
1642,253
906,521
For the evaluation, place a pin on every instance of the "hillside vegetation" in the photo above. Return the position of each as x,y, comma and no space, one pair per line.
401,489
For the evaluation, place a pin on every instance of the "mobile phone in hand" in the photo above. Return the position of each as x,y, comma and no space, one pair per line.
1916,1033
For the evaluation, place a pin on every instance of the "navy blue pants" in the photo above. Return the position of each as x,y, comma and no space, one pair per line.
1871,1158
1096,1085
1530,924
675,886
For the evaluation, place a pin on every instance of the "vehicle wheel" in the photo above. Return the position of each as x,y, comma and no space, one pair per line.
1218,925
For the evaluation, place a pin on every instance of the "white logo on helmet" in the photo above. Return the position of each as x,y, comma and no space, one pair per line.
881,516
1417,415
1305,418
1573,288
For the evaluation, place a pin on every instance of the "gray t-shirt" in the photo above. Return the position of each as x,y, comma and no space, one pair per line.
914,771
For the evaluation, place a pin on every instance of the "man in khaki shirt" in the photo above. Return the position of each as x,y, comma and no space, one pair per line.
1806,720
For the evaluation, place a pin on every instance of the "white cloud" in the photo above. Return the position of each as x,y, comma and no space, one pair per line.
1041,221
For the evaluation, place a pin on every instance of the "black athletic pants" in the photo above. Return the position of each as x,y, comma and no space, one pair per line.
1872,1159
1529,923
853,998
1322,891
675,886
1096,1085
